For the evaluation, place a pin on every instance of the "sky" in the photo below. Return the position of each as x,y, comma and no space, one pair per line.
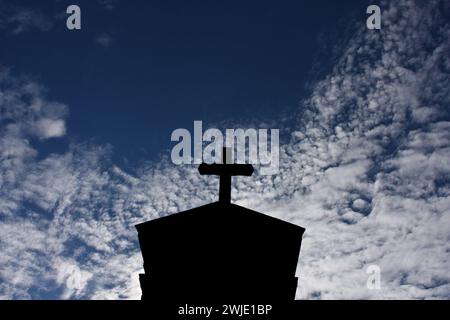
86,118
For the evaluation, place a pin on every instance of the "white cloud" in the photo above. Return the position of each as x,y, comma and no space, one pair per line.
49,128
73,279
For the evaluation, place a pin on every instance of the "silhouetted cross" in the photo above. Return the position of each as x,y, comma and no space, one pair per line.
225,171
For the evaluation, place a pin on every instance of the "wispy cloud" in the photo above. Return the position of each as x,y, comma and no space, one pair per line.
104,40
366,171
19,19
108,4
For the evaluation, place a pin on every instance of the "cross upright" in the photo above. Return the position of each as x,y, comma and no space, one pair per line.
225,171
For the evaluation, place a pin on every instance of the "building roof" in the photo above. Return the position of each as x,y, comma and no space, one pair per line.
220,238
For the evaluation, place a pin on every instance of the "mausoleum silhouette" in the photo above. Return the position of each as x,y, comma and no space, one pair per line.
220,251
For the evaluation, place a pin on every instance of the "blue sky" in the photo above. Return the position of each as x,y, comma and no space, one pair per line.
86,118
165,64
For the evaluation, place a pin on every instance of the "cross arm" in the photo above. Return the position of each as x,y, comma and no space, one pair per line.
226,169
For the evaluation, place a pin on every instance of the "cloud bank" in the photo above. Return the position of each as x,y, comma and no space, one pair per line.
366,172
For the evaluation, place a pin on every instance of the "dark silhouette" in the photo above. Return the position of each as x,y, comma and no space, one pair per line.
219,252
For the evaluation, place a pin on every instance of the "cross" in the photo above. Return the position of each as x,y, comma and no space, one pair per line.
225,171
